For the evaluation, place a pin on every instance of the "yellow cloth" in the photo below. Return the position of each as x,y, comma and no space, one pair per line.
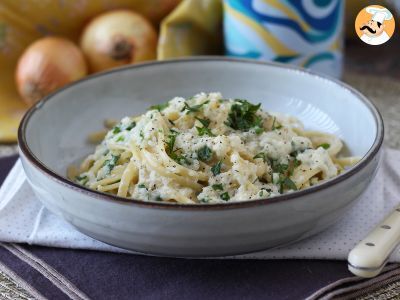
193,28
23,21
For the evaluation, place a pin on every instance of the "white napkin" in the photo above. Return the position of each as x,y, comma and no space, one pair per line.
23,219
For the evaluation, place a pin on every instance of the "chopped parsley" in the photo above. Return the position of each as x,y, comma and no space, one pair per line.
204,154
110,164
295,152
285,169
118,128
131,126
293,164
225,196
170,143
141,134
160,107
194,108
142,186
276,125
278,168
182,160
243,116
258,130
217,187
158,198
216,169
261,155
286,182
204,122
325,146
120,139
204,130
204,200
82,179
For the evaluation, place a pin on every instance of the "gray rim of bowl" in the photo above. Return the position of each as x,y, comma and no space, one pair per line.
26,151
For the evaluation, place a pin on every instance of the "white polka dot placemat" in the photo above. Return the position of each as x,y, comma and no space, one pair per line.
23,219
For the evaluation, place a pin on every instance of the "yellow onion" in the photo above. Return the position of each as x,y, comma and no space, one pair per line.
46,65
118,38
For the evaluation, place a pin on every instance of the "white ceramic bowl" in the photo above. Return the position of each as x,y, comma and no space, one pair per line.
52,135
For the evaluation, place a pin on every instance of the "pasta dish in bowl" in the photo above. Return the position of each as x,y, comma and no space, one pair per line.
207,149
217,173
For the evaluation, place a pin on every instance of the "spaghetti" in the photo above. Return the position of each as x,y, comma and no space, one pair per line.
208,149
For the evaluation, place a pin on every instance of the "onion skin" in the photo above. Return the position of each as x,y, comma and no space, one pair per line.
46,65
117,38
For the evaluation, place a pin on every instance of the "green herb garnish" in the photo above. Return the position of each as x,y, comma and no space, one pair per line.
293,164
285,171
171,142
278,126
216,169
261,155
243,117
204,154
204,130
180,159
160,107
278,168
288,183
325,146
142,186
258,130
204,122
217,187
82,179
194,108
116,130
131,126
110,164
225,196
120,139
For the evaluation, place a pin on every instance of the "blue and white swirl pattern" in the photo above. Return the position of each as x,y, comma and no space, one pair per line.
303,32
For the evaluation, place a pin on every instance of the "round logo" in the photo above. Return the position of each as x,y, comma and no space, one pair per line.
375,25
